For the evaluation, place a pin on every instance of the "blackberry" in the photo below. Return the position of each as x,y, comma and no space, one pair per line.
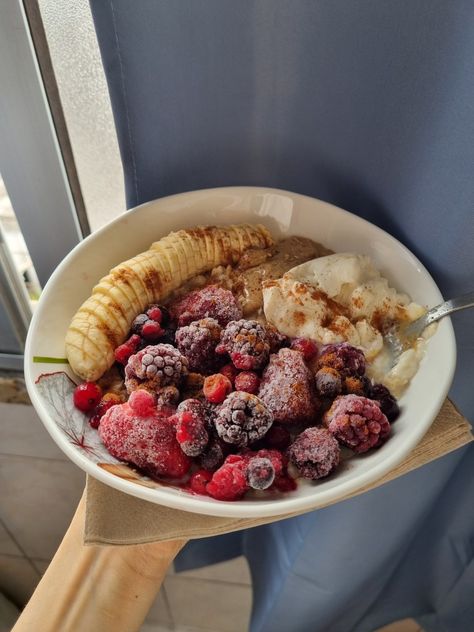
315,453
197,341
242,419
387,401
155,367
343,357
247,343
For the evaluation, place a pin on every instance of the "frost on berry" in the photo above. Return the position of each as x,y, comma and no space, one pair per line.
287,388
247,343
197,341
357,422
343,357
315,453
155,367
148,442
242,419
209,302
192,426
328,382
260,473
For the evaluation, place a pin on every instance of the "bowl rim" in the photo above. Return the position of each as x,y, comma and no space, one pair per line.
262,508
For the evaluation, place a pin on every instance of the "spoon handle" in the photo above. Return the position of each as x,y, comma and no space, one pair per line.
448,307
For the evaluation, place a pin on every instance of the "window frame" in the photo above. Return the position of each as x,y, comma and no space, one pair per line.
31,162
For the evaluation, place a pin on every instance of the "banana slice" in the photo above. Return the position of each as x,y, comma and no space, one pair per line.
104,319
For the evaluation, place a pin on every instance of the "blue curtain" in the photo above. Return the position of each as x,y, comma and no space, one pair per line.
368,105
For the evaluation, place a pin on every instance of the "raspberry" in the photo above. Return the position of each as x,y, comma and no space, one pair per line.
387,401
209,302
107,401
315,453
86,396
191,432
247,343
287,388
151,331
229,481
242,419
260,473
154,313
284,483
124,351
328,382
357,422
216,388
142,402
276,458
199,480
147,442
230,372
307,347
247,381
197,341
154,367
343,357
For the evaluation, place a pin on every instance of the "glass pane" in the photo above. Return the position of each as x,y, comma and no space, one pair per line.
19,286
16,245
85,100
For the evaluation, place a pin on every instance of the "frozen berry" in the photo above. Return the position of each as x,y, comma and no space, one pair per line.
142,402
307,347
247,381
199,480
275,338
328,382
213,455
154,367
216,388
387,401
149,442
151,331
247,343
275,457
278,437
343,357
230,372
191,432
128,348
287,388
197,341
260,473
357,422
284,483
86,396
315,453
356,385
138,323
107,401
229,482
154,313
242,419
209,302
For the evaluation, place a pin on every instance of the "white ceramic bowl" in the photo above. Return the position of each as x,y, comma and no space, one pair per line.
283,213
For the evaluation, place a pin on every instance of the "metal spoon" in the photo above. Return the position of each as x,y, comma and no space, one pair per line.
402,337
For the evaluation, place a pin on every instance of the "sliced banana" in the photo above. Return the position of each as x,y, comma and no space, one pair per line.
104,319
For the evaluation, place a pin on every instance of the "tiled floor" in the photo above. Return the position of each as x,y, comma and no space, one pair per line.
40,489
